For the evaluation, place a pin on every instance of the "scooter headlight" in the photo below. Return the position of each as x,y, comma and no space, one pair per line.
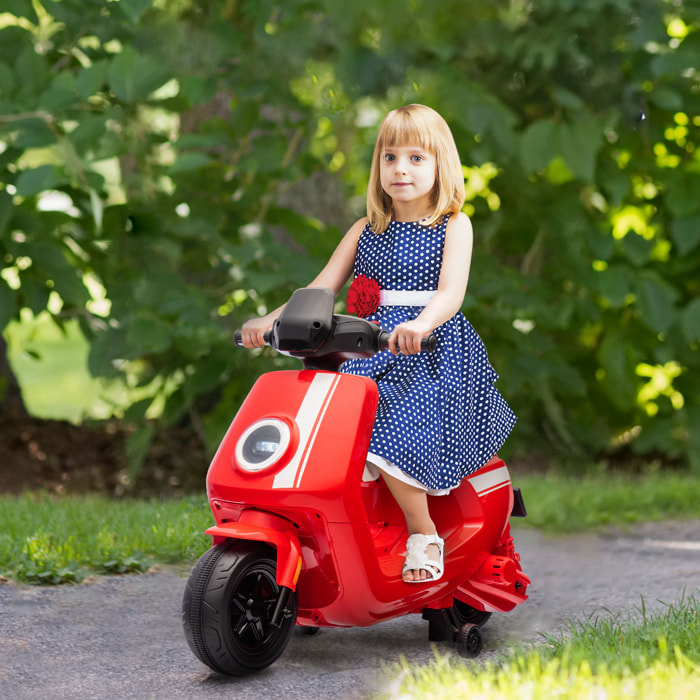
262,445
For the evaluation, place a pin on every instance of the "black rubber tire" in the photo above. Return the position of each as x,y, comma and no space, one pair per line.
469,642
464,613
227,608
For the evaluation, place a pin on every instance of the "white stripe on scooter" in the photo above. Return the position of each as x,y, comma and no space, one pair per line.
308,419
321,416
490,481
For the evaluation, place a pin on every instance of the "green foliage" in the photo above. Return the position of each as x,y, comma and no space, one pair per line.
179,157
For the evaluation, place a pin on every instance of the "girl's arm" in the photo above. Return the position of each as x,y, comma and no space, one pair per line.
454,274
333,276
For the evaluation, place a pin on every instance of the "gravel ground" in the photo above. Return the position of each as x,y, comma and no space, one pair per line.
122,637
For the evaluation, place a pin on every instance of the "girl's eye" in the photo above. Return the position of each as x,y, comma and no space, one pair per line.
389,157
417,158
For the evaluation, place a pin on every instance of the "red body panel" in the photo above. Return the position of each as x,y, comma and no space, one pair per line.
350,534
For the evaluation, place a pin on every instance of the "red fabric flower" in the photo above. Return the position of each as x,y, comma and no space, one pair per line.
363,296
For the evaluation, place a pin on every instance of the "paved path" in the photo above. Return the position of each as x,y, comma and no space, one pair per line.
120,637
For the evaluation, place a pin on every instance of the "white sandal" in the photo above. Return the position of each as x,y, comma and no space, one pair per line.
416,557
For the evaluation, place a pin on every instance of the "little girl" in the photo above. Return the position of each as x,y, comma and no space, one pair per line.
439,416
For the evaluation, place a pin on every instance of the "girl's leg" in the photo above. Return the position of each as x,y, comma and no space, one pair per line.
414,504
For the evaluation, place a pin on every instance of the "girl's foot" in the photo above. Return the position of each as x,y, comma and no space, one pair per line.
424,559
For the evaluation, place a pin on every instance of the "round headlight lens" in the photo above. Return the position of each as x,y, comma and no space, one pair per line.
262,444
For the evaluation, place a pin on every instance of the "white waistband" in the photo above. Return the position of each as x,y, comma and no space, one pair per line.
401,297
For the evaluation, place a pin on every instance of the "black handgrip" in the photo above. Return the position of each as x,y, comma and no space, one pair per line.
428,344
238,338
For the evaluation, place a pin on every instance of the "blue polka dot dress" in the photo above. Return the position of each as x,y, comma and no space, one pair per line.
439,416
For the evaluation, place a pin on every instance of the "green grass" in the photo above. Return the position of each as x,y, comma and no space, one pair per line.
64,538
50,539
640,655
560,503
633,641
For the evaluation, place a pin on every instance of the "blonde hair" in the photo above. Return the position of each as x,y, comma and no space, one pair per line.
420,126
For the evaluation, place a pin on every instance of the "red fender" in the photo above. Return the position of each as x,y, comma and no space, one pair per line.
271,529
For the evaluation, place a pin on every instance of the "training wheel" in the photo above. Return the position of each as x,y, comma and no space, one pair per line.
469,642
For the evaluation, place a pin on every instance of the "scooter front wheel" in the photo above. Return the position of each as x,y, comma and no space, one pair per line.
228,607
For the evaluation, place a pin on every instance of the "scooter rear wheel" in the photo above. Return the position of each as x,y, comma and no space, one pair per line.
228,605
469,642
464,613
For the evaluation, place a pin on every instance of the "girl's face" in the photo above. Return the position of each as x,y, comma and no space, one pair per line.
407,174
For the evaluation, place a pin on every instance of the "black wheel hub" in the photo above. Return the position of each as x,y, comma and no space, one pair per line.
252,608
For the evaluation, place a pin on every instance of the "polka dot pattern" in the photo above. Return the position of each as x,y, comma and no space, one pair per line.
439,416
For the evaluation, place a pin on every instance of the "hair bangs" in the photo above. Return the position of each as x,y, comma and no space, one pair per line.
407,127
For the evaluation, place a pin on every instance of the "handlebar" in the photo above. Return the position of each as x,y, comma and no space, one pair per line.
428,344
238,338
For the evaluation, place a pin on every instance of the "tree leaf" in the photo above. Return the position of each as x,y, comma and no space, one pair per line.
186,162
137,446
616,183
50,259
615,284
636,248
7,304
579,142
21,8
88,132
615,358
655,303
33,69
34,133
91,79
134,76
6,208
146,336
567,379
134,9
137,411
7,80
686,233
35,294
567,99
37,180
60,94
538,145
678,61
666,98
690,320
682,196
108,345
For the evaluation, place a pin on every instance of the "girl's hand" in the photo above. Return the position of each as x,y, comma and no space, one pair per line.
406,337
253,331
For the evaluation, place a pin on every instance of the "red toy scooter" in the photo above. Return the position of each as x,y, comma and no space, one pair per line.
301,539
